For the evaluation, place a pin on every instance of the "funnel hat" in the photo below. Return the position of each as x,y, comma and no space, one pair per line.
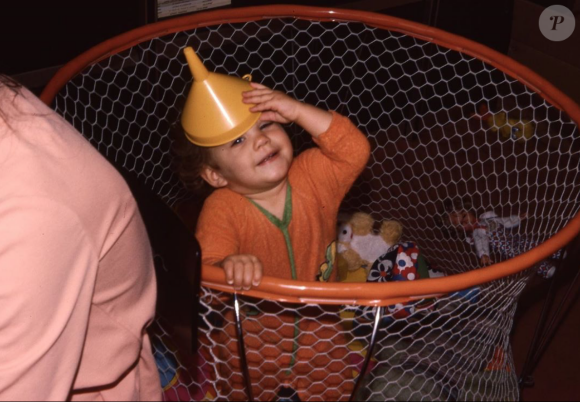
214,113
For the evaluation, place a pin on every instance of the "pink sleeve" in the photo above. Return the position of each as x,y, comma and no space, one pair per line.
47,274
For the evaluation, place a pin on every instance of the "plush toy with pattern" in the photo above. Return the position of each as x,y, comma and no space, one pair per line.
359,246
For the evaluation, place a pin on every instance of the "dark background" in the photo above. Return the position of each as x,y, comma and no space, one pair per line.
45,35
36,38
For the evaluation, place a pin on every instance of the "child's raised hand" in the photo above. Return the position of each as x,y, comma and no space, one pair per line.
281,108
274,105
242,271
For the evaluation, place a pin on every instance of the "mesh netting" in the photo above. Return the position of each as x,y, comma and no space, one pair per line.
452,348
442,125
449,348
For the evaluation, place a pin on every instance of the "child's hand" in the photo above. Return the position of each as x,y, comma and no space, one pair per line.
242,271
281,108
274,105
485,260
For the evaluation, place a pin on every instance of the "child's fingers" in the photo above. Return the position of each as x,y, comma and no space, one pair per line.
228,267
251,265
268,116
239,274
262,106
259,99
274,104
242,271
255,93
257,274
260,91
233,267
257,85
248,274
273,117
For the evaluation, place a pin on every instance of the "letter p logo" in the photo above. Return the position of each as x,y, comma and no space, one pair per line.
557,23
558,19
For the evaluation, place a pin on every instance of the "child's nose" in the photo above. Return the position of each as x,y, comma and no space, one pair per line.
262,139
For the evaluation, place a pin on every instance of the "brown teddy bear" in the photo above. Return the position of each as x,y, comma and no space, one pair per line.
359,246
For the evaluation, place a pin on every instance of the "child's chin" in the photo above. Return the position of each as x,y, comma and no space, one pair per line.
277,169
276,177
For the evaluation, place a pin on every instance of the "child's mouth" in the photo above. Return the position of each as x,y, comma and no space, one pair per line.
268,158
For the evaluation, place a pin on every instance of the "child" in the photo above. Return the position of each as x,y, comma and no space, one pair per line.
490,232
272,214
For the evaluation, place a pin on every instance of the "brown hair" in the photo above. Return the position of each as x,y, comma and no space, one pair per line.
11,84
189,160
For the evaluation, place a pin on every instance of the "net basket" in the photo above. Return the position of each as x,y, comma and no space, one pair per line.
446,118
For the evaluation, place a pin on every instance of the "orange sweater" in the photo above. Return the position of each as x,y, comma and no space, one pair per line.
304,351
319,179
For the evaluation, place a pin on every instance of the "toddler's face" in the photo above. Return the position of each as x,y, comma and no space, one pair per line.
463,219
257,161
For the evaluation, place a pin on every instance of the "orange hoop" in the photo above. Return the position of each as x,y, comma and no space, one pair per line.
309,292
386,294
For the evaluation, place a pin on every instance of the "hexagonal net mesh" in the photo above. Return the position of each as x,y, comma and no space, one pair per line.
443,122
449,348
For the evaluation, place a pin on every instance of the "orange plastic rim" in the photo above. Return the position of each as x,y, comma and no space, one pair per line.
349,293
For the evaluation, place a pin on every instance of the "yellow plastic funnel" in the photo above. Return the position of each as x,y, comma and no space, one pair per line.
214,113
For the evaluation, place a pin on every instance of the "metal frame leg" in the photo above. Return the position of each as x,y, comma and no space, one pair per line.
373,341
242,348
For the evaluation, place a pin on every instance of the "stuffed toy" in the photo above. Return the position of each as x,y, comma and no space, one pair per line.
508,125
363,256
359,247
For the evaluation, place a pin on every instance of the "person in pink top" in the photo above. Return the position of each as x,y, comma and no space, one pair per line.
77,282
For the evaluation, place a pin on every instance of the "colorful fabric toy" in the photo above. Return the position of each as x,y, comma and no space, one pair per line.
399,263
183,376
403,262
359,247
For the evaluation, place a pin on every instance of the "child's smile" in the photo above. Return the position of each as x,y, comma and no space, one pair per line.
273,156
257,161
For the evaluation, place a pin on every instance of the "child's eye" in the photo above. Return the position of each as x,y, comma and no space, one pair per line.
266,124
238,141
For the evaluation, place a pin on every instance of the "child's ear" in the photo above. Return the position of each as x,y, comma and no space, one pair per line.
213,177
